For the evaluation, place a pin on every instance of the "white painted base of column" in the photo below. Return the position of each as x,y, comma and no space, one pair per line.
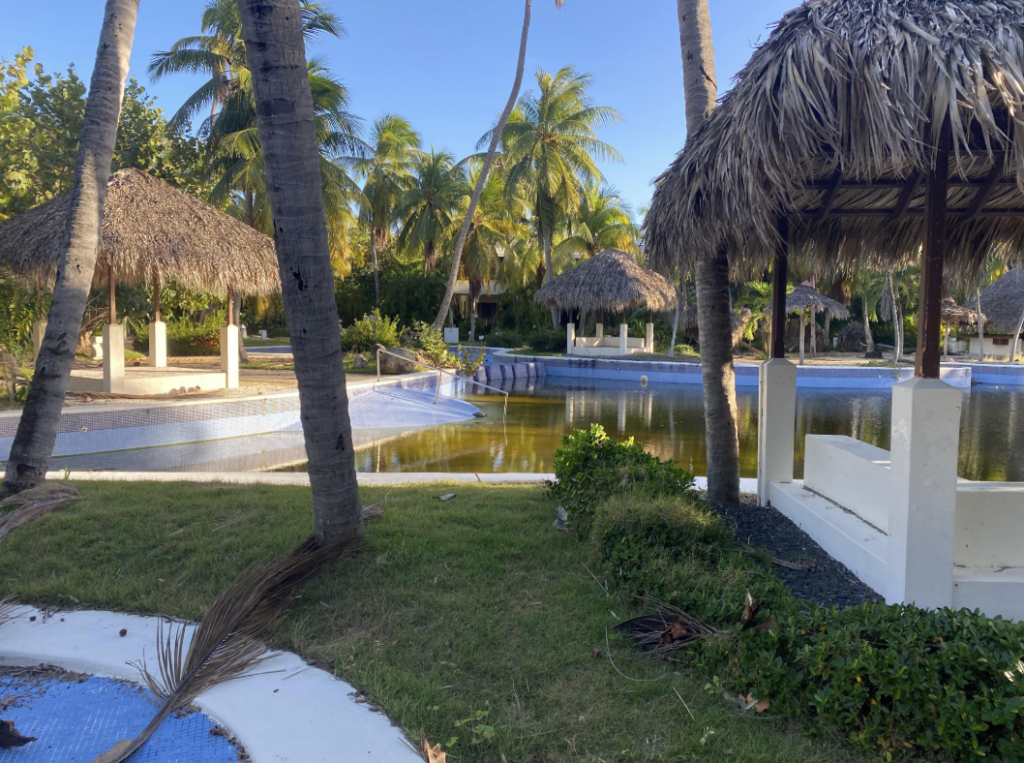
599,330
38,331
113,358
649,338
158,344
922,506
229,355
623,339
776,428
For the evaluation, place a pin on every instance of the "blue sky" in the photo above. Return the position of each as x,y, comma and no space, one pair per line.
447,65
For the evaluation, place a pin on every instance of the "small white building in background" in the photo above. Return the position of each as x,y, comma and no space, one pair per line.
998,346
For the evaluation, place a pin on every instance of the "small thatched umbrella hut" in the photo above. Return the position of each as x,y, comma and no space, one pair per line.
806,299
152,234
1002,303
958,314
613,281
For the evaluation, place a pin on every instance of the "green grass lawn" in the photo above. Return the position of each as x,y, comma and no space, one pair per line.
452,609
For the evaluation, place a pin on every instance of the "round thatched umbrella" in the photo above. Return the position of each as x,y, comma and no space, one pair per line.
958,314
805,298
152,234
1002,305
611,280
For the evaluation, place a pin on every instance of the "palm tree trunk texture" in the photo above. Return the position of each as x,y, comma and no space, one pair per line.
719,376
981,329
713,297
481,181
680,298
376,272
814,333
549,273
37,429
869,339
803,324
284,108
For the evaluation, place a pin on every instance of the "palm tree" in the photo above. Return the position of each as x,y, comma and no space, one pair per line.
287,131
387,170
549,147
427,207
37,429
712,273
603,221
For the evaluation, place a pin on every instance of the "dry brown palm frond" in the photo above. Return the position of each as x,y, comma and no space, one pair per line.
8,610
34,503
611,280
229,640
667,631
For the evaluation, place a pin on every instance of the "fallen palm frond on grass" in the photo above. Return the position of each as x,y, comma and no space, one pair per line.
34,503
670,629
229,640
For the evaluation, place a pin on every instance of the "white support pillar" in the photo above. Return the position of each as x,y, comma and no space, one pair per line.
229,355
158,344
38,331
570,337
623,339
776,425
113,358
649,338
922,505
599,331
803,321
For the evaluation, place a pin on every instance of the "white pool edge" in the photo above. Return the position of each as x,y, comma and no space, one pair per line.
285,693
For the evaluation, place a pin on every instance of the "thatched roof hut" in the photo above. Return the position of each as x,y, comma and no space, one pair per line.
959,314
149,228
805,296
833,125
611,280
1002,302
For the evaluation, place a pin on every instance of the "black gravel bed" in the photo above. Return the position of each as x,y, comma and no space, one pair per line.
828,582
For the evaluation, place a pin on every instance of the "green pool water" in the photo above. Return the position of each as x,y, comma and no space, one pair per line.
669,421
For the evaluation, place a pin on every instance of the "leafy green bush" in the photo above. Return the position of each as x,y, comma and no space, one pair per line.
280,332
369,331
185,337
590,466
546,340
431,342
676,549
504,338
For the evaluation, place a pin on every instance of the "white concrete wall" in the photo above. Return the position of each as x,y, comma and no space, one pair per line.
851,473
989,532
992,349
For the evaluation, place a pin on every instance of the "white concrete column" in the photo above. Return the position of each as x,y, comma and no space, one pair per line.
263,334
623,339
570,337
158,344
922,506
776,425
113,358
229,355
649,338
38,330
599,331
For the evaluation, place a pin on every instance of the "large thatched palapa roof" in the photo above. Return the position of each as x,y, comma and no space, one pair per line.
833,124
1002,302
149,227
805,295
611,280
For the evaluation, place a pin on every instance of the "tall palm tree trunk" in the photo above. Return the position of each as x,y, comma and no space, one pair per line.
869,338
481,181
981,328
549,272
680,296
284,108
376,272
37,429
713,297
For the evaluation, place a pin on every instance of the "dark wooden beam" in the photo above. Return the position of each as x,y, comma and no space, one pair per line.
231,306
831,191
985,190
926,361
156,297
888,213
906,195
779,281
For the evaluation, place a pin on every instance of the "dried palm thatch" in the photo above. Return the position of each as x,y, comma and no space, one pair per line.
805,296
1002,301
833,123
229,640
34,503
150,230
611,280
959,314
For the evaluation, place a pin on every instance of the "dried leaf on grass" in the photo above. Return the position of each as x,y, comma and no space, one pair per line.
431,754
229,640
446,496
34,503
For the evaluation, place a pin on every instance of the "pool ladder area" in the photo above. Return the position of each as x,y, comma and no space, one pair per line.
440,375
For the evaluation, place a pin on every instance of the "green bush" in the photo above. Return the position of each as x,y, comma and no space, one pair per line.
369,331
185,337
431,342
546,340
280,332
676,549
504,338
590,466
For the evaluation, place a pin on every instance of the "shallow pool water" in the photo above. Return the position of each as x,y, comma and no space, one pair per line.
669,420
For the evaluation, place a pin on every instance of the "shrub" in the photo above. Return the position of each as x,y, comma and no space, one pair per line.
676,549
546,340
280,332
590,466
431,342
185,337
504,338
369,331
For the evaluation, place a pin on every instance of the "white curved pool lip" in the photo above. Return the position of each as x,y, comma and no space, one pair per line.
286,712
